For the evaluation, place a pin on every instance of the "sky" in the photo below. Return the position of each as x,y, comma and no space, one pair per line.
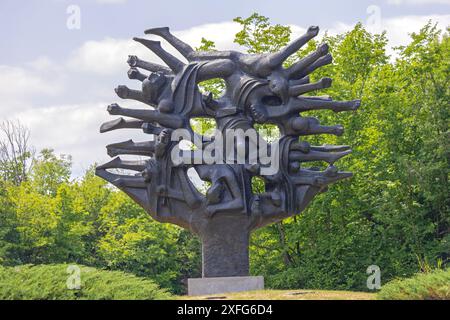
61,60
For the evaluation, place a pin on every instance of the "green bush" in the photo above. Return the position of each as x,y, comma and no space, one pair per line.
292,278
49,282
434,285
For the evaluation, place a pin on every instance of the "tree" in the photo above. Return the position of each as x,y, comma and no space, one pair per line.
395,209
15,151
49,171
259,36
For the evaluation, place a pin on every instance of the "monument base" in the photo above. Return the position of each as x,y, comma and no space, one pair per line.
207,286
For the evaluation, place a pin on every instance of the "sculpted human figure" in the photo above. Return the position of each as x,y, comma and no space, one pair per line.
226,193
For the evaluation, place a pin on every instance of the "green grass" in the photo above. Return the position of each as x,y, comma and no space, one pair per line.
433,285
49,282
287,295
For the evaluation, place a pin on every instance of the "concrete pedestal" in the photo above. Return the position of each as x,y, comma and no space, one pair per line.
225,242
208,286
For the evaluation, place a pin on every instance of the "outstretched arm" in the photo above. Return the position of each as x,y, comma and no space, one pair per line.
132,148
167,120
135,62
138,166
124,92
121,123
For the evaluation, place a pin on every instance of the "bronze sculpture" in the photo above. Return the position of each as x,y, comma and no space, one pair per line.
258,90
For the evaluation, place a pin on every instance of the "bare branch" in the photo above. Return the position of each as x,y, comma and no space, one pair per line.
15,151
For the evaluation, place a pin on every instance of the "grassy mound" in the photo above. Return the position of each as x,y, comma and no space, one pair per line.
52,282
424,286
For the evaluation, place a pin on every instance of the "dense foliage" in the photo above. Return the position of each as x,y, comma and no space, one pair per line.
87,222
424,286
53,282
394,213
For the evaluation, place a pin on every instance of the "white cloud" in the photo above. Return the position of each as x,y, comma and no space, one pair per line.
19,86
222,34
74,129
109,56
84,85
398,29
18,81
418,2
43,64
111,1
105,57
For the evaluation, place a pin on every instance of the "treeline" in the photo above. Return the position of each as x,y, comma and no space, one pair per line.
50,219
393,213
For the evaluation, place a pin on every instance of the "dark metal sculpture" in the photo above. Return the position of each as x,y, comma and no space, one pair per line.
258,90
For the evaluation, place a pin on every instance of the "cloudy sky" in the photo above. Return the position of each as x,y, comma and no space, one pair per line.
57,73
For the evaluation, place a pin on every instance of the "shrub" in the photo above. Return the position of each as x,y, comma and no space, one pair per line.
308,276
49,282
434,285
292,278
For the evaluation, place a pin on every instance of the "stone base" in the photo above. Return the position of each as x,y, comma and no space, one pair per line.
207,286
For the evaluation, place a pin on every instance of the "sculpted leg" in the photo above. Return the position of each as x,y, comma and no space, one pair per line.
336,106
298,67
323,61
276,59
321,103
301,89
320,178
329,157
308,126
305,147
155,46
330,148
304,80
182,47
